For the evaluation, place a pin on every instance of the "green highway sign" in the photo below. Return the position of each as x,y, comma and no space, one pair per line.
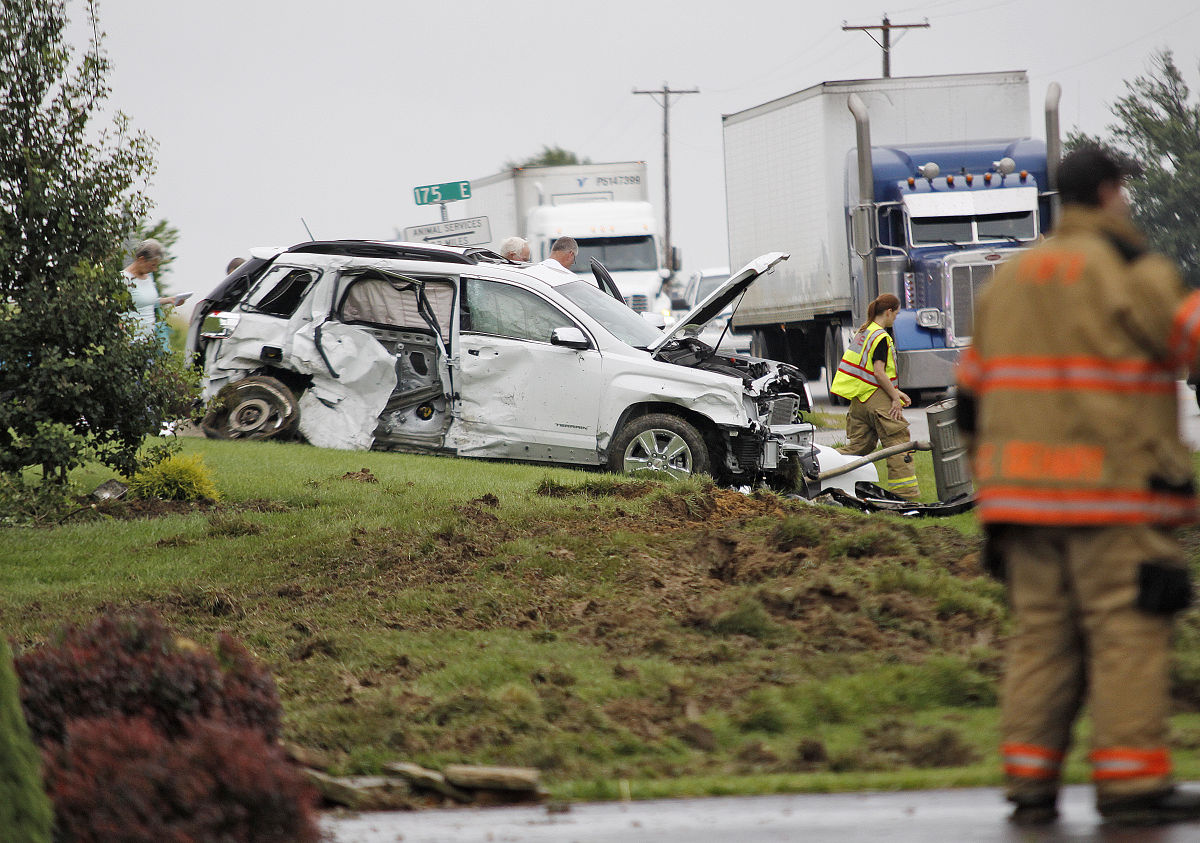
451,191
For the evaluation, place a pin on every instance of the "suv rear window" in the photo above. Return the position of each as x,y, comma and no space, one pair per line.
280,290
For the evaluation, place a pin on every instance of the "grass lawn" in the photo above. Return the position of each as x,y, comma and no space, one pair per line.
676,638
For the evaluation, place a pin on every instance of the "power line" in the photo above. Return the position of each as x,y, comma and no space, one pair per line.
886,28
666,91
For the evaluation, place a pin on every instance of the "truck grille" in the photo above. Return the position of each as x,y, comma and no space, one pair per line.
638,303
966,281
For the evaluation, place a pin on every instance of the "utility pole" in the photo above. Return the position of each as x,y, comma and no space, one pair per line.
666,91
886,44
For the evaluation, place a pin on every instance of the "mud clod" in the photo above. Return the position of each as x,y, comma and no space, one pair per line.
364,475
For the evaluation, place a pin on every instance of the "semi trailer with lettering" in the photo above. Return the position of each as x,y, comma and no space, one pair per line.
917,186
604,207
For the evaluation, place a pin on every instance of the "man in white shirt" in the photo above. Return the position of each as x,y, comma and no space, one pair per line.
562,254
515,249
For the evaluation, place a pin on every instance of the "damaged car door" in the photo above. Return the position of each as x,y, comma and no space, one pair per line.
409,318
527,377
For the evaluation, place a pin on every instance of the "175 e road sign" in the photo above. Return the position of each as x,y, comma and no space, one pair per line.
451,191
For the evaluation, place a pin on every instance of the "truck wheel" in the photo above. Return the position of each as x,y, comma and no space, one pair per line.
257,407
659,444
833,356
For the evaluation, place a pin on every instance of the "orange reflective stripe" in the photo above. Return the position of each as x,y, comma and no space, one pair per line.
1044,266
855,371
1029,761
1039,461
970,370
1126,763
1185,331
1017,504
1075,373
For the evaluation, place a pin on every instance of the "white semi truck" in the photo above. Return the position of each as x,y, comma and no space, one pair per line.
917,186
603,206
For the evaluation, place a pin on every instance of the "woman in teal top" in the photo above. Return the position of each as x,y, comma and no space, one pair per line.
147,303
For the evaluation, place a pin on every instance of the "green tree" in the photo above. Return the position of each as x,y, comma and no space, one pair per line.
1158,126
25,812
77,382
550,156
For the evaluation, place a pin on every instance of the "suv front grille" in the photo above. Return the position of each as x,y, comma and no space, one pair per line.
966,281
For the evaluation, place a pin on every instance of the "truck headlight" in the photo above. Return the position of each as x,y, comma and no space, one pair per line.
931,317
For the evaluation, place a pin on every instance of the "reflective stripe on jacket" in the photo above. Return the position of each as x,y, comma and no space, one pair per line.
855,376
1076,349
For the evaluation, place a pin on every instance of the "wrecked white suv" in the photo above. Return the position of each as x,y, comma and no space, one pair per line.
393,346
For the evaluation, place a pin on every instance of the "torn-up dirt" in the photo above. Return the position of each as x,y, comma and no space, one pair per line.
364,475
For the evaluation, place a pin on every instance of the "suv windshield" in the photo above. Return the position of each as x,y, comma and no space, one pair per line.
618,254
618,319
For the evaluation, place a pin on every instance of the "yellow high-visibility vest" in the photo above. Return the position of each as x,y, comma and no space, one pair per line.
855,376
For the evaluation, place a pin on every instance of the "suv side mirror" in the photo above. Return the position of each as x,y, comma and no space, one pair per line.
569,338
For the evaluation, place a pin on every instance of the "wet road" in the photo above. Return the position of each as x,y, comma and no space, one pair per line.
946,816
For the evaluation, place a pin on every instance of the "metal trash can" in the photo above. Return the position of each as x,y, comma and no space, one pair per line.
951,469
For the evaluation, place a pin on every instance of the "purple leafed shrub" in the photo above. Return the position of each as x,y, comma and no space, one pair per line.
135,667
122,779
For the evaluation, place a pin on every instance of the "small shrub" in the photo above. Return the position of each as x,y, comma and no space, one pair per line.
176,478
126,666
24,809
24,503
124,780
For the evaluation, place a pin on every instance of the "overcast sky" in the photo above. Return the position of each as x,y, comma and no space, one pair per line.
267,111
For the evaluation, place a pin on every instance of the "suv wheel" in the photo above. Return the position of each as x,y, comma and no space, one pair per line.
659,443
257,407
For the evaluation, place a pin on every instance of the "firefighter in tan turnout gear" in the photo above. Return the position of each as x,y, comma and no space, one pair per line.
866,376
1068,394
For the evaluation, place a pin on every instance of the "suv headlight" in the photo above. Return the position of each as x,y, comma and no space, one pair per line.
219,325
931,317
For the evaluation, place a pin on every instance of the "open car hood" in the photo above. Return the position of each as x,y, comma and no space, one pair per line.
722,297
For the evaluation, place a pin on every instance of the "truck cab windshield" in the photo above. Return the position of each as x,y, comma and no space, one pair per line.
928,231
618,254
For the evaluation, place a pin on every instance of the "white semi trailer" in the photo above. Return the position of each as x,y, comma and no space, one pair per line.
604,207
916,186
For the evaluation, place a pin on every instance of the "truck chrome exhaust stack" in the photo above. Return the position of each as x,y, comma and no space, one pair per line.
866,186
1053,146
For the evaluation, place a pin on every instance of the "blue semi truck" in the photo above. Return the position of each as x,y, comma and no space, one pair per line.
917,186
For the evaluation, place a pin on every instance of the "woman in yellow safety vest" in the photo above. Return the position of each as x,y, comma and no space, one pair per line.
866,377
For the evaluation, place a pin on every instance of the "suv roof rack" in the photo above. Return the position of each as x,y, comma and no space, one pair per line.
379,249
398,251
